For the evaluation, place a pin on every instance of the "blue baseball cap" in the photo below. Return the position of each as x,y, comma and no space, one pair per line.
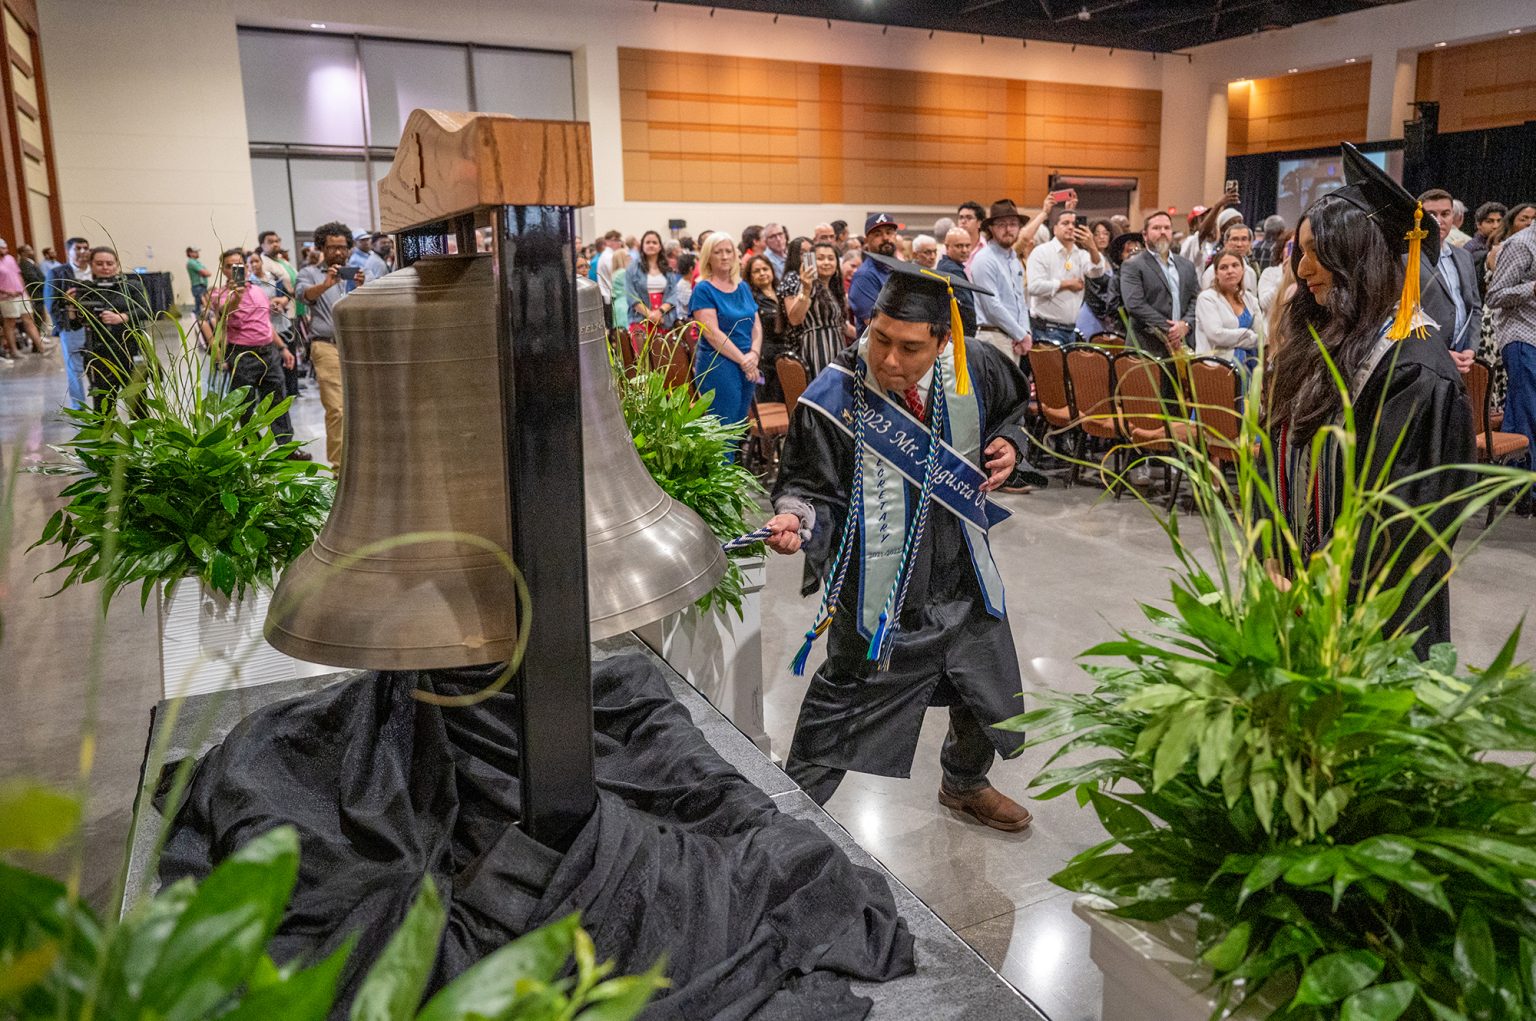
880,220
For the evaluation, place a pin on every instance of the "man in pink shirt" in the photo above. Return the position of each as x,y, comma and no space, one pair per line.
15,307
237,324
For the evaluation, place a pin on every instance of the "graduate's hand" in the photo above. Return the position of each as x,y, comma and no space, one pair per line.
1021,347
1463,360
1000,460
784,534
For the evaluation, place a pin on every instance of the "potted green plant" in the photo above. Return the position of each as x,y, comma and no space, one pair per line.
717,644
191,497
1303,819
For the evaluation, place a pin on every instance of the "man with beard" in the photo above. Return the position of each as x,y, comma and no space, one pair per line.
880,238
1002,309
1159,288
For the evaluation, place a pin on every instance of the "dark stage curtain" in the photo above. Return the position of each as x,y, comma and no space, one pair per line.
1258,183
1492,165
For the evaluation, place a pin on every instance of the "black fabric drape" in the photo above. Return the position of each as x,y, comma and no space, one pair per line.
1258,183
761,916
1491,165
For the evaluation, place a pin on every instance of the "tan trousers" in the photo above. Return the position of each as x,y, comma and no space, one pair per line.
322,355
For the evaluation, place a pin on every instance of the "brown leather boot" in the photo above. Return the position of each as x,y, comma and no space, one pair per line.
988,806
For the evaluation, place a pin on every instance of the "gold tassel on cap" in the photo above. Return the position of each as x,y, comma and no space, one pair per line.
956,335
1410,313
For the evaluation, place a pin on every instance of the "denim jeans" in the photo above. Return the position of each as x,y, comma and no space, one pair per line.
73,343
1054,332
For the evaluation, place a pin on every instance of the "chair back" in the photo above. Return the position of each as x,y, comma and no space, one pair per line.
670,353
1090,377
791,372
1139,395
1048,364
1477,378
1215,388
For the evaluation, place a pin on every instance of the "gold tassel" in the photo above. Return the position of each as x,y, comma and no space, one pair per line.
956,336
1409,310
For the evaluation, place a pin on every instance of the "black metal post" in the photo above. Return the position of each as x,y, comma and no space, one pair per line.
541,395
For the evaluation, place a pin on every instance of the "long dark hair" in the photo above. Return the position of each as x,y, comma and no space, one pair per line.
1367,281
1508,226
835,285
661,254
795,254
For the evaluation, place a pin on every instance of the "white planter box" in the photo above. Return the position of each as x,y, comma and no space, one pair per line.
1151,970
720,655
209,642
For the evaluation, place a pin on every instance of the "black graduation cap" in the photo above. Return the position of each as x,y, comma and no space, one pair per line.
1400,218
916,294
1369,189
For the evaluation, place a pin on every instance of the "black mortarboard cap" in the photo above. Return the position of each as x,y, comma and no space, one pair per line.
1400,218
1372,191
916,294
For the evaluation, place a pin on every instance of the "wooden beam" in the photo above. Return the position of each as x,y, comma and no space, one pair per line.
449,163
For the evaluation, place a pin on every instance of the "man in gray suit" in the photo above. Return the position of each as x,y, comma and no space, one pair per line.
1159,288
1456,277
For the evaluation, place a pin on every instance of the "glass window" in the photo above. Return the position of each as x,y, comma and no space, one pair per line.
524,83
405,76
325,190
270,179
301,89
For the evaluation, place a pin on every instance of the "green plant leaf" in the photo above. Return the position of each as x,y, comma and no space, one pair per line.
622,999
200,547
218,940
1476,961
1229,953
306,995
35,818
493,985
1379,1003
230,501
394,986
1332,977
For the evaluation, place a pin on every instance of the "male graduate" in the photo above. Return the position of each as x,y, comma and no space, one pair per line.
884,480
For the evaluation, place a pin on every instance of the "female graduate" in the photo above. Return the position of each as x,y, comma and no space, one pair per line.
1350,291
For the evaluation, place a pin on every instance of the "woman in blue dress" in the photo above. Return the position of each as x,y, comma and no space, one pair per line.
725,362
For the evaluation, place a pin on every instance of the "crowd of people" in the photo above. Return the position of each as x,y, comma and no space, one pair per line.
1211,285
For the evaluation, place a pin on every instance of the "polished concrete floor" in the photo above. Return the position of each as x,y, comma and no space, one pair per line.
1075,566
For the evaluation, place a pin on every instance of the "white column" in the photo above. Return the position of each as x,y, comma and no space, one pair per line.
1215,141
596,69
1394,77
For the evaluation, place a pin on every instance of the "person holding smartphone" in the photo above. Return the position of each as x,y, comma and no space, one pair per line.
112,311
237,326
321,287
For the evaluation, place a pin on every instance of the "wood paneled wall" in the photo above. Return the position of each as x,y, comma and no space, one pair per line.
705,128
1489,84
1298,111
29,198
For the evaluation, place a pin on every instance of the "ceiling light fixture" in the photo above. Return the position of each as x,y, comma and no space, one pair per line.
1516,31
1349,60
1441,44
1292,70
317,24
1084,14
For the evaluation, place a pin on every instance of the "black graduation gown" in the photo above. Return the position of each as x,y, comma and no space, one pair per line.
948,650
1414,392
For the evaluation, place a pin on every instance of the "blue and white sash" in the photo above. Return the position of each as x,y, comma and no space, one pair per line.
900,444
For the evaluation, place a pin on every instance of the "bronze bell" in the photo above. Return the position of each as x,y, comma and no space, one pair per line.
425,454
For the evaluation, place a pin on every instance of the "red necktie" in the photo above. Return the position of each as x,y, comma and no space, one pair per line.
914,403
